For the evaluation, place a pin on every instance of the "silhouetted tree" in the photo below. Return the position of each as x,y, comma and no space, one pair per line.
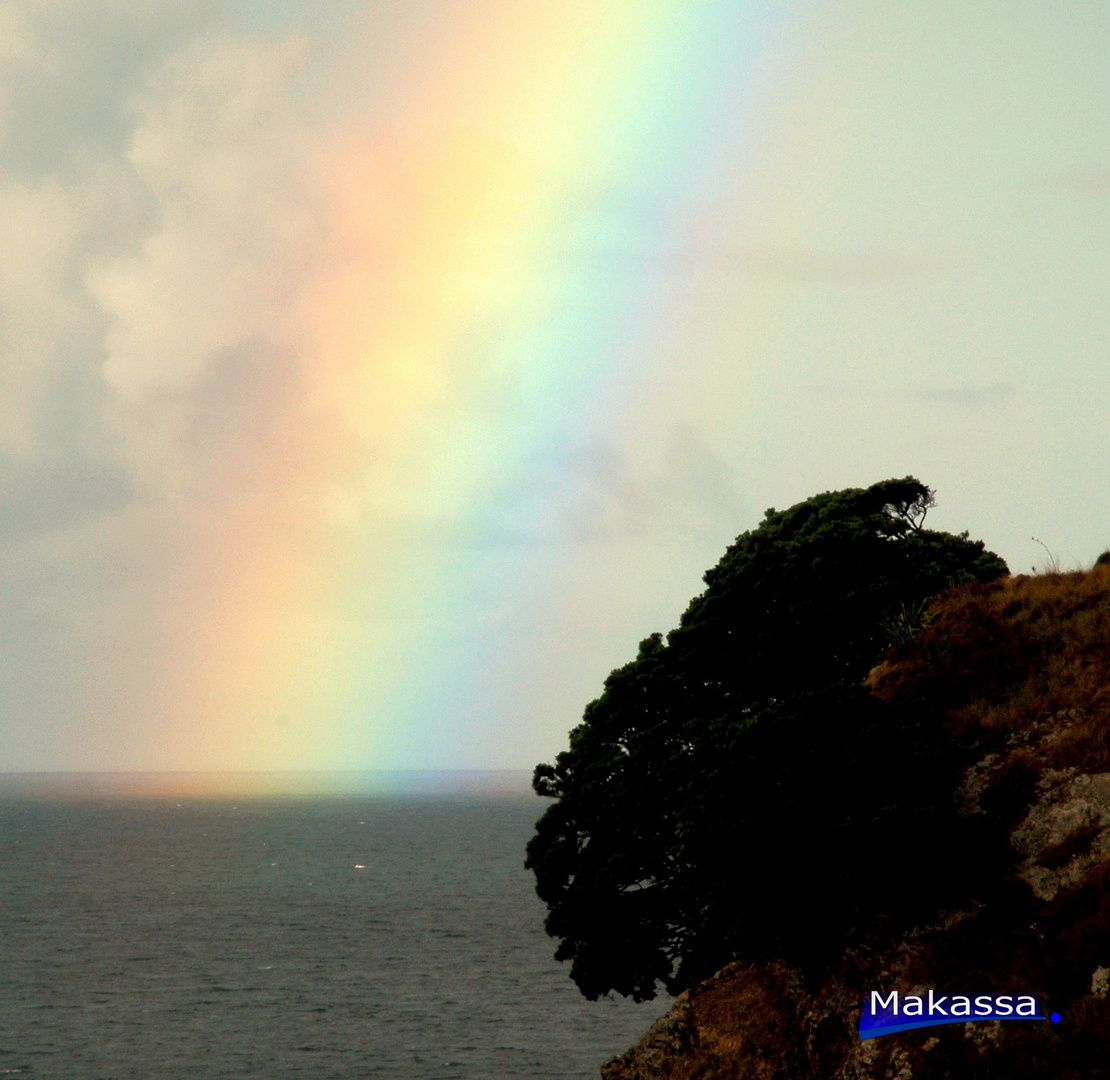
727,794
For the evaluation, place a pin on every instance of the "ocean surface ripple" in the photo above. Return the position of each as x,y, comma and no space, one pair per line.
311,937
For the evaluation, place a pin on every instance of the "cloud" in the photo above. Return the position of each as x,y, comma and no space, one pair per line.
969,397
69,70
246,428
158,218
693,489
222,149
593,494
38,308
203,351
71,205
40,496
1090,182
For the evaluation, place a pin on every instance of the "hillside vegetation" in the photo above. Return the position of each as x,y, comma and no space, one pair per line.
1013,676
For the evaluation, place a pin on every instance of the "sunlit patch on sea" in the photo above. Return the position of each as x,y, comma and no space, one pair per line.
321,937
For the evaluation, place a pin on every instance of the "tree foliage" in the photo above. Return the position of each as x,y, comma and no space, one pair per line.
727,794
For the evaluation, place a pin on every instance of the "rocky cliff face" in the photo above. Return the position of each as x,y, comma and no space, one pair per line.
1019,673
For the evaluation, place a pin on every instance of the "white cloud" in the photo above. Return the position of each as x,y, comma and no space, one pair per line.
222,148
40,225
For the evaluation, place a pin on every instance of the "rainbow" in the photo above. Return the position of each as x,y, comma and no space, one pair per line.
503,234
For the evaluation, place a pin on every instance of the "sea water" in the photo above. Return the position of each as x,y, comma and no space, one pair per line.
393,937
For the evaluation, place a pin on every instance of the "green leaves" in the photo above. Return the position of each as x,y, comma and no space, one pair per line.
901,626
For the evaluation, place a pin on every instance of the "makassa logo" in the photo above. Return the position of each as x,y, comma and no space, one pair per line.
885,1014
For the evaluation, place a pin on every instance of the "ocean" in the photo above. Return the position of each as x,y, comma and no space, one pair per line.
392,936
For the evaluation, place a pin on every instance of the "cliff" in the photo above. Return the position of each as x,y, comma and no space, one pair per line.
1018,673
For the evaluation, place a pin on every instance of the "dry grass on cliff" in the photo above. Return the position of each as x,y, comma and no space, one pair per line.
1007,658
742,1024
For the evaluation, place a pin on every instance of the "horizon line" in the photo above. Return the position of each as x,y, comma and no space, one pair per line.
261,783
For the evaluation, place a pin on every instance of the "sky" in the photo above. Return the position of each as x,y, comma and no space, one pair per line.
375,375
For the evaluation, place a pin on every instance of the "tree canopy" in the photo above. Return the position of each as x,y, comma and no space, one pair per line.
725,796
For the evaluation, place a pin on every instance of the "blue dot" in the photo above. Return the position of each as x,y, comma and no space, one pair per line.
1055,1018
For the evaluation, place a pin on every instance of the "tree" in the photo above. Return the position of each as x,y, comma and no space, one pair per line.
716,798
